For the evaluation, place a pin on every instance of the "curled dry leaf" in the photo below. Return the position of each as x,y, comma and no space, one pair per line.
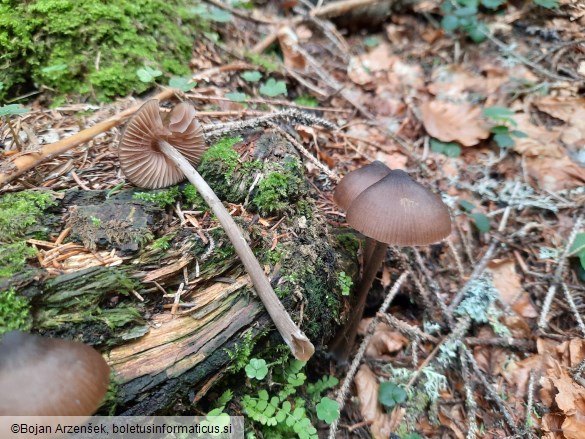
288,43
564,397
371,410
450,122
385,340
508,284
570,110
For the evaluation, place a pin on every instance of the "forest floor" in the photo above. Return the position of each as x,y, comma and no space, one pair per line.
484,332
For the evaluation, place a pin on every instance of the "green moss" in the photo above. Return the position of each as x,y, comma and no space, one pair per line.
345,283
163,198
19,217
19,211
92,47
164,242
14,312
268,63
222,154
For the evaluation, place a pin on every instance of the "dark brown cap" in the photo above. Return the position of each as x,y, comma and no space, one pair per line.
399,211
140,157
357,181
50,377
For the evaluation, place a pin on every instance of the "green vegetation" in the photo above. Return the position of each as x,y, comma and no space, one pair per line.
14,312
268,63
221,158
345,283
463,15
92,47
277,408
163,198
307,101
273,88
390,394
19,215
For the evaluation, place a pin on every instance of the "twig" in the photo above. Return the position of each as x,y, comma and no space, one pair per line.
530,402
482,264
470,402
217,131
332,175
447,316
542,323
573,307
490,390
360,354
406,329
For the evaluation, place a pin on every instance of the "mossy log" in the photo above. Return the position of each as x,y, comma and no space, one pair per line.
165,353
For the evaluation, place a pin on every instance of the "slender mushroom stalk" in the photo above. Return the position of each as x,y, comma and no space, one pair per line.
394,210
157,158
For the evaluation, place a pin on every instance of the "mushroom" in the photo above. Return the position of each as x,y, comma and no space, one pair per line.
393,210
42,376
153,155
354,184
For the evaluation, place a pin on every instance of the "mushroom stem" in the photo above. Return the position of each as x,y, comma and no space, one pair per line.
343,342
300,345
368,250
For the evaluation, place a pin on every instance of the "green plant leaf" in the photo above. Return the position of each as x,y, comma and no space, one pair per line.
236,96
466,11
450,149
182,83
548,4
481,221
258,369
500,129
307,101
467,205
251,76
391,394
504,140
493,4
578,245
449,23
220,15
327,410
272,88
371,42
477,31
147,74
12,109
519,134
498,112
55,68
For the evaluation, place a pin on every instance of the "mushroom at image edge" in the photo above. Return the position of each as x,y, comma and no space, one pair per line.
50,377
154,156
395,210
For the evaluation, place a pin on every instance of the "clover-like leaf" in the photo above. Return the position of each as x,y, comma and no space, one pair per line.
182,83
272,88
236,96
12,109
147,74
391,394
481,221
327,410
251,76
258,369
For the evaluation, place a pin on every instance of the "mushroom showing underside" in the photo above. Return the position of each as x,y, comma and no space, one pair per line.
154,155
49,377
393,210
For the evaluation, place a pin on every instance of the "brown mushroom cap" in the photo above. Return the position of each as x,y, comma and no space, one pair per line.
49,377
357,181
140,157
399,211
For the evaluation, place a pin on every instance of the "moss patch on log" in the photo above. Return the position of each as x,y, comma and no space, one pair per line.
92,47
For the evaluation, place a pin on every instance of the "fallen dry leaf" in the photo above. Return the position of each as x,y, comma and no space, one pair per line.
288,43
570,110
508,284
450,122
555,174
385,340
367,391
539,141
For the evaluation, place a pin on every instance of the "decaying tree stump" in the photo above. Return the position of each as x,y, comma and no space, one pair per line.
162,352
